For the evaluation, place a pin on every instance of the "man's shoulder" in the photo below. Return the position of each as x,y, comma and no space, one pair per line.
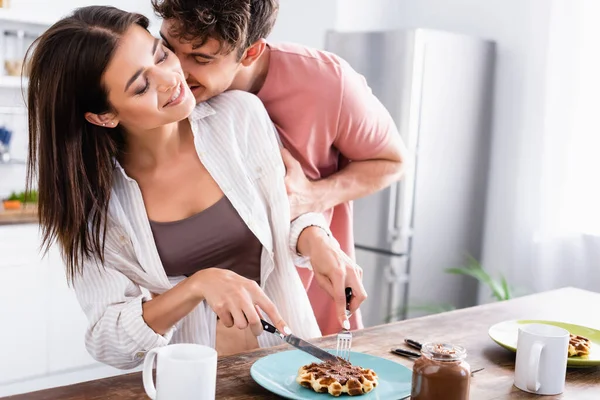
305,56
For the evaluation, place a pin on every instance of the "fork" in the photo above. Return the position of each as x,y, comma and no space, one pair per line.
344,338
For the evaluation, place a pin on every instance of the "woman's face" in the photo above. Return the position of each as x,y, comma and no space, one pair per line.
145,83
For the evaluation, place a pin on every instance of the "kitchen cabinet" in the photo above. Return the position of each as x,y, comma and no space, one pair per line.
42,326
23,331
66,322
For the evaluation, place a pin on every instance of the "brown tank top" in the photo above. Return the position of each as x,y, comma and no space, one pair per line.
214,238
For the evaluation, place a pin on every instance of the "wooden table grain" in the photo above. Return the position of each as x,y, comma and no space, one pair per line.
467,327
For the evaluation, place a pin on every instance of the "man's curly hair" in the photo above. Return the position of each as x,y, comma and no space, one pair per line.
236,24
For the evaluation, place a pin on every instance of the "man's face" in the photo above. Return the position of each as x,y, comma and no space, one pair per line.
207,72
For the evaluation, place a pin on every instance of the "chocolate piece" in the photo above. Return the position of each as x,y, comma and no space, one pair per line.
337,378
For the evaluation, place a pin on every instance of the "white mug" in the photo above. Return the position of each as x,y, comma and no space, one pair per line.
541,365
183,372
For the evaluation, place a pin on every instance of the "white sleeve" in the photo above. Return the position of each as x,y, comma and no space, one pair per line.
298,225
117,334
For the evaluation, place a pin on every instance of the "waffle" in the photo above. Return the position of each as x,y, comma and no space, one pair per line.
579,346
337,378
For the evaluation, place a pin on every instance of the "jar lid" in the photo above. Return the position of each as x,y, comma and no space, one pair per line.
444,351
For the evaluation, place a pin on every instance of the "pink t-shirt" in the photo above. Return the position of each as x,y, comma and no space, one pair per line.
326,116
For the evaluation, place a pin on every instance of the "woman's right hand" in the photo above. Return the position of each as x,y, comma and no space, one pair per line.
235,300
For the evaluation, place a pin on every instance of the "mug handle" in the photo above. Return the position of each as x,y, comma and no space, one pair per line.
533,370
147,373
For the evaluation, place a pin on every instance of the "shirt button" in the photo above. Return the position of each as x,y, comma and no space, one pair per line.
123,239
140,355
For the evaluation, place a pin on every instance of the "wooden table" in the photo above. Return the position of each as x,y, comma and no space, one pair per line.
466,327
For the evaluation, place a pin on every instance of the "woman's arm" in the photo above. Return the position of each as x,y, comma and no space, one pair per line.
232,297
164,311
124,324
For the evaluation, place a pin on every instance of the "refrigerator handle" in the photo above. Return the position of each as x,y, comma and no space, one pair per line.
392,228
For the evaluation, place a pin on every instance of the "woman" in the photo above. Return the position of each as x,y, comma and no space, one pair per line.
144,200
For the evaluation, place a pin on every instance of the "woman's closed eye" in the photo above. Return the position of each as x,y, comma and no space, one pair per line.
165,54
140,91
143,89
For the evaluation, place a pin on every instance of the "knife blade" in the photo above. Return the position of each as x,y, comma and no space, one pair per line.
301,344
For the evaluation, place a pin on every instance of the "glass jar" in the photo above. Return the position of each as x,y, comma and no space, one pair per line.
13,52
441,372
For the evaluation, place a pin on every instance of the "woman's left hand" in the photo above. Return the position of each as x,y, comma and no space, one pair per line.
334,270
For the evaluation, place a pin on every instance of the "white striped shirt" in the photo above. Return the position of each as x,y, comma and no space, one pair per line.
236,142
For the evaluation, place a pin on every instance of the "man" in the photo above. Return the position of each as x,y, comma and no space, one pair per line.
341,142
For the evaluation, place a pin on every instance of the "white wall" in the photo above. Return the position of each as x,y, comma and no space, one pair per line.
372,15
304,21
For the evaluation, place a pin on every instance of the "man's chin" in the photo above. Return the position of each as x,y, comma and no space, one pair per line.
199,94
202,97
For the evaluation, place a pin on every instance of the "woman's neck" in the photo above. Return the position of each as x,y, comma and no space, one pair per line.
151,149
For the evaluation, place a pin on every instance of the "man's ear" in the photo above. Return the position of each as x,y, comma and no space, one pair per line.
107,120
254,52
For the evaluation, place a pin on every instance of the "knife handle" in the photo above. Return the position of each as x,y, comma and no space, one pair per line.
268,327
413,343
406,353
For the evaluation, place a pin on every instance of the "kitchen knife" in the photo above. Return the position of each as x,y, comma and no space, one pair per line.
301,344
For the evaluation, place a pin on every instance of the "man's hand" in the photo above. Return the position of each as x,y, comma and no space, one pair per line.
301,191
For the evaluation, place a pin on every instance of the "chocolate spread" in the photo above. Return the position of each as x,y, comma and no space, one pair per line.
441,373
341,371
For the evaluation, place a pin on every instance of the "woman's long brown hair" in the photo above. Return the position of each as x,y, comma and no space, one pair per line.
72,159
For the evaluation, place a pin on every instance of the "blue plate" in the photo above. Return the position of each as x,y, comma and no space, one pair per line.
277,373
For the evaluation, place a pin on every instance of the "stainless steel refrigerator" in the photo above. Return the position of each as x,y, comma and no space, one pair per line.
438,88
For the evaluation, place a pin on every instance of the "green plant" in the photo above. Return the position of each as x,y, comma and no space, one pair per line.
13,196
24,197
29,197
499,288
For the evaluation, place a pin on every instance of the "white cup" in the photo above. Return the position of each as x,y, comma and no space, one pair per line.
183,372
541,365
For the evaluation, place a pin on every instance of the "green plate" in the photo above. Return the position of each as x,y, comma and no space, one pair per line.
506,334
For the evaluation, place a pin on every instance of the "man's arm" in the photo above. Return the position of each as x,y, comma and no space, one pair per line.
367,136
356,180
